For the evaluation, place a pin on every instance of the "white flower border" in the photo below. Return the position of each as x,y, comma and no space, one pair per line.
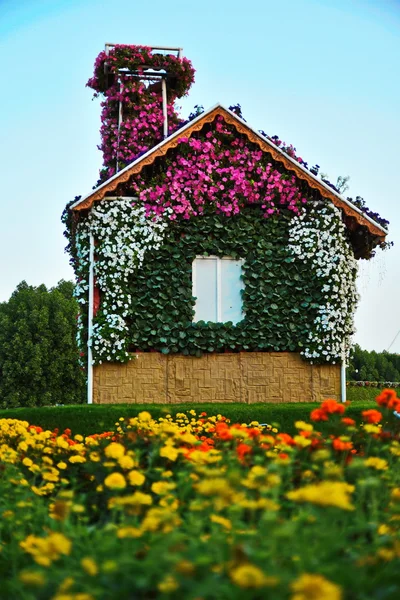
318,237
123,234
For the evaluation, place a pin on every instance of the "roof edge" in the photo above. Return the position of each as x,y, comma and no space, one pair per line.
285,158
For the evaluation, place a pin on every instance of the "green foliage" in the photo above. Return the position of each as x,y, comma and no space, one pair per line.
280,295
373,366
38,351
87,420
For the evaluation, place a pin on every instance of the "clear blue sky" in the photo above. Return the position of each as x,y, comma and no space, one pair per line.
324,75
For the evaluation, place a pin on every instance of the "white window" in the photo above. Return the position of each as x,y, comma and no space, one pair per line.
217,286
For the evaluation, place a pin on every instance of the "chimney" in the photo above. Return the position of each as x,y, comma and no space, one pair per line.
139,85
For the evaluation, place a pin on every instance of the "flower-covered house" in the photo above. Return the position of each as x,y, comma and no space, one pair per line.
212,264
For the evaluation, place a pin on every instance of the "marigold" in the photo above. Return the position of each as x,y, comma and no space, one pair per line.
388,398
372,415
318,415
380,464
226,523
32,578
348,421
315,587
247,576
342,445
325,493
136,478
169,452
115,481
114,450
168,585
89,565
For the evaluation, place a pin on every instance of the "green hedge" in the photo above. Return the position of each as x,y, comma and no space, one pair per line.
97,418
365,394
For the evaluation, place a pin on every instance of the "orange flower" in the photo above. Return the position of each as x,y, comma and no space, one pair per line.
285,438
389,399
348,421
242,450
318,415
341,445
332,407
372,416
222,431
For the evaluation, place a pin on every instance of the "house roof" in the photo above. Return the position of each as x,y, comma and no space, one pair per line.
354,214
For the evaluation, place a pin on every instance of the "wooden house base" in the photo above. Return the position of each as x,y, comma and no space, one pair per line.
248,377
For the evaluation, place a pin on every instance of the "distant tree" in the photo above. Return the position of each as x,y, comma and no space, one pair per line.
38,351
373,366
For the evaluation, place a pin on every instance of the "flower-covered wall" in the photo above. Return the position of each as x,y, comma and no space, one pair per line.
298,273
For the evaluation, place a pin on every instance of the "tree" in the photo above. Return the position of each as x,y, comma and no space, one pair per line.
38,351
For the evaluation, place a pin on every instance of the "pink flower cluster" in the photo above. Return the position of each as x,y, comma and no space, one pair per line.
117,76
219,169
142,122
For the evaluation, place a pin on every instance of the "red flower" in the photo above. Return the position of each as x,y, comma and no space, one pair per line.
318,415
348,421
242,450
389,399
342,446
372,416
332,407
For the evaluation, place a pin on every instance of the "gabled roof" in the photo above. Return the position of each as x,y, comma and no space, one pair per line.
265,144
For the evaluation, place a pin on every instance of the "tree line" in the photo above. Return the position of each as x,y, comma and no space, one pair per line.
373,366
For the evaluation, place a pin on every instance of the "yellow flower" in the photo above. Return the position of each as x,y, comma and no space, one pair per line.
326,493
78,437
302,441
162,487
144,416
77,459
386,554
27,462
126,462
135,500
7,514
32,578
384,530
95,457
315,587
247,575
369,428
46,550
115,481
168,584
303,426
89,566
114,450
129,532
136,478
221,521
169,452
62,465
395,495
374,462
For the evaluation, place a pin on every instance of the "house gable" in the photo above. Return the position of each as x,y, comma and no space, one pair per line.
365,232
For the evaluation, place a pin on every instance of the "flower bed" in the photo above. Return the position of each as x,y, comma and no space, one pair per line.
194,507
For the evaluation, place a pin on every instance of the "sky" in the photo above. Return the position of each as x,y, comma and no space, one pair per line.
321,74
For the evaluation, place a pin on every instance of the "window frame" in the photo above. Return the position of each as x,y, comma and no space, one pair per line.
219,260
